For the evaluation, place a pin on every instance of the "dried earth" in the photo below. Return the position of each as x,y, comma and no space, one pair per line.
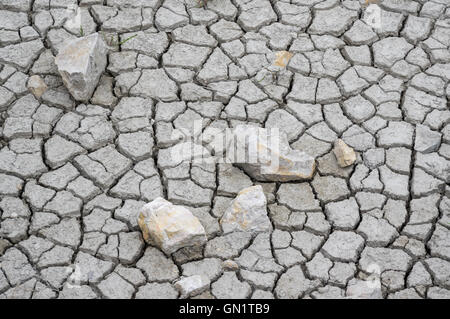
74,176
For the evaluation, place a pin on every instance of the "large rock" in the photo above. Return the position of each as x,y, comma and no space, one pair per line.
169,226
81,62
247,212
266,155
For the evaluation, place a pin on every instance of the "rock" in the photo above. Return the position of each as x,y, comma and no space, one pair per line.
247,212
81,62
345,155
170,226
270,158
192,286
37,86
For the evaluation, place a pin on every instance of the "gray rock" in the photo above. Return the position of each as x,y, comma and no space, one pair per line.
81,62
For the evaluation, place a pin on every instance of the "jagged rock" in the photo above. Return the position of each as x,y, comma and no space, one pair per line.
345,155
37,86
81,62
169,226
193,285
267,156
247,212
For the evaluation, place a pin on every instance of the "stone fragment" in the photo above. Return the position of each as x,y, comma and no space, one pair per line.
247,212
81,62
37,86
345,155
170,226
270,158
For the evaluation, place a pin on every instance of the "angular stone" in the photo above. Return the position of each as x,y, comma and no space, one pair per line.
171,227
270,158
37,86
81,62
247,212
345,155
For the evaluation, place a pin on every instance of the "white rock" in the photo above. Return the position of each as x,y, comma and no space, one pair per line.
193,285
345,155
267,156
37,86
169,226
247,212
81,62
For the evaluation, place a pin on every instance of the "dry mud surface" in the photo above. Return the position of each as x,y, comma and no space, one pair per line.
73,176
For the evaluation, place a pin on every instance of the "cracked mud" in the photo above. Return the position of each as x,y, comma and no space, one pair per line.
74,176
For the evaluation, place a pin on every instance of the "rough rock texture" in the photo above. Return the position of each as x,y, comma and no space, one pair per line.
270,158
81,62
247,212
37,86
170,226
345,155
